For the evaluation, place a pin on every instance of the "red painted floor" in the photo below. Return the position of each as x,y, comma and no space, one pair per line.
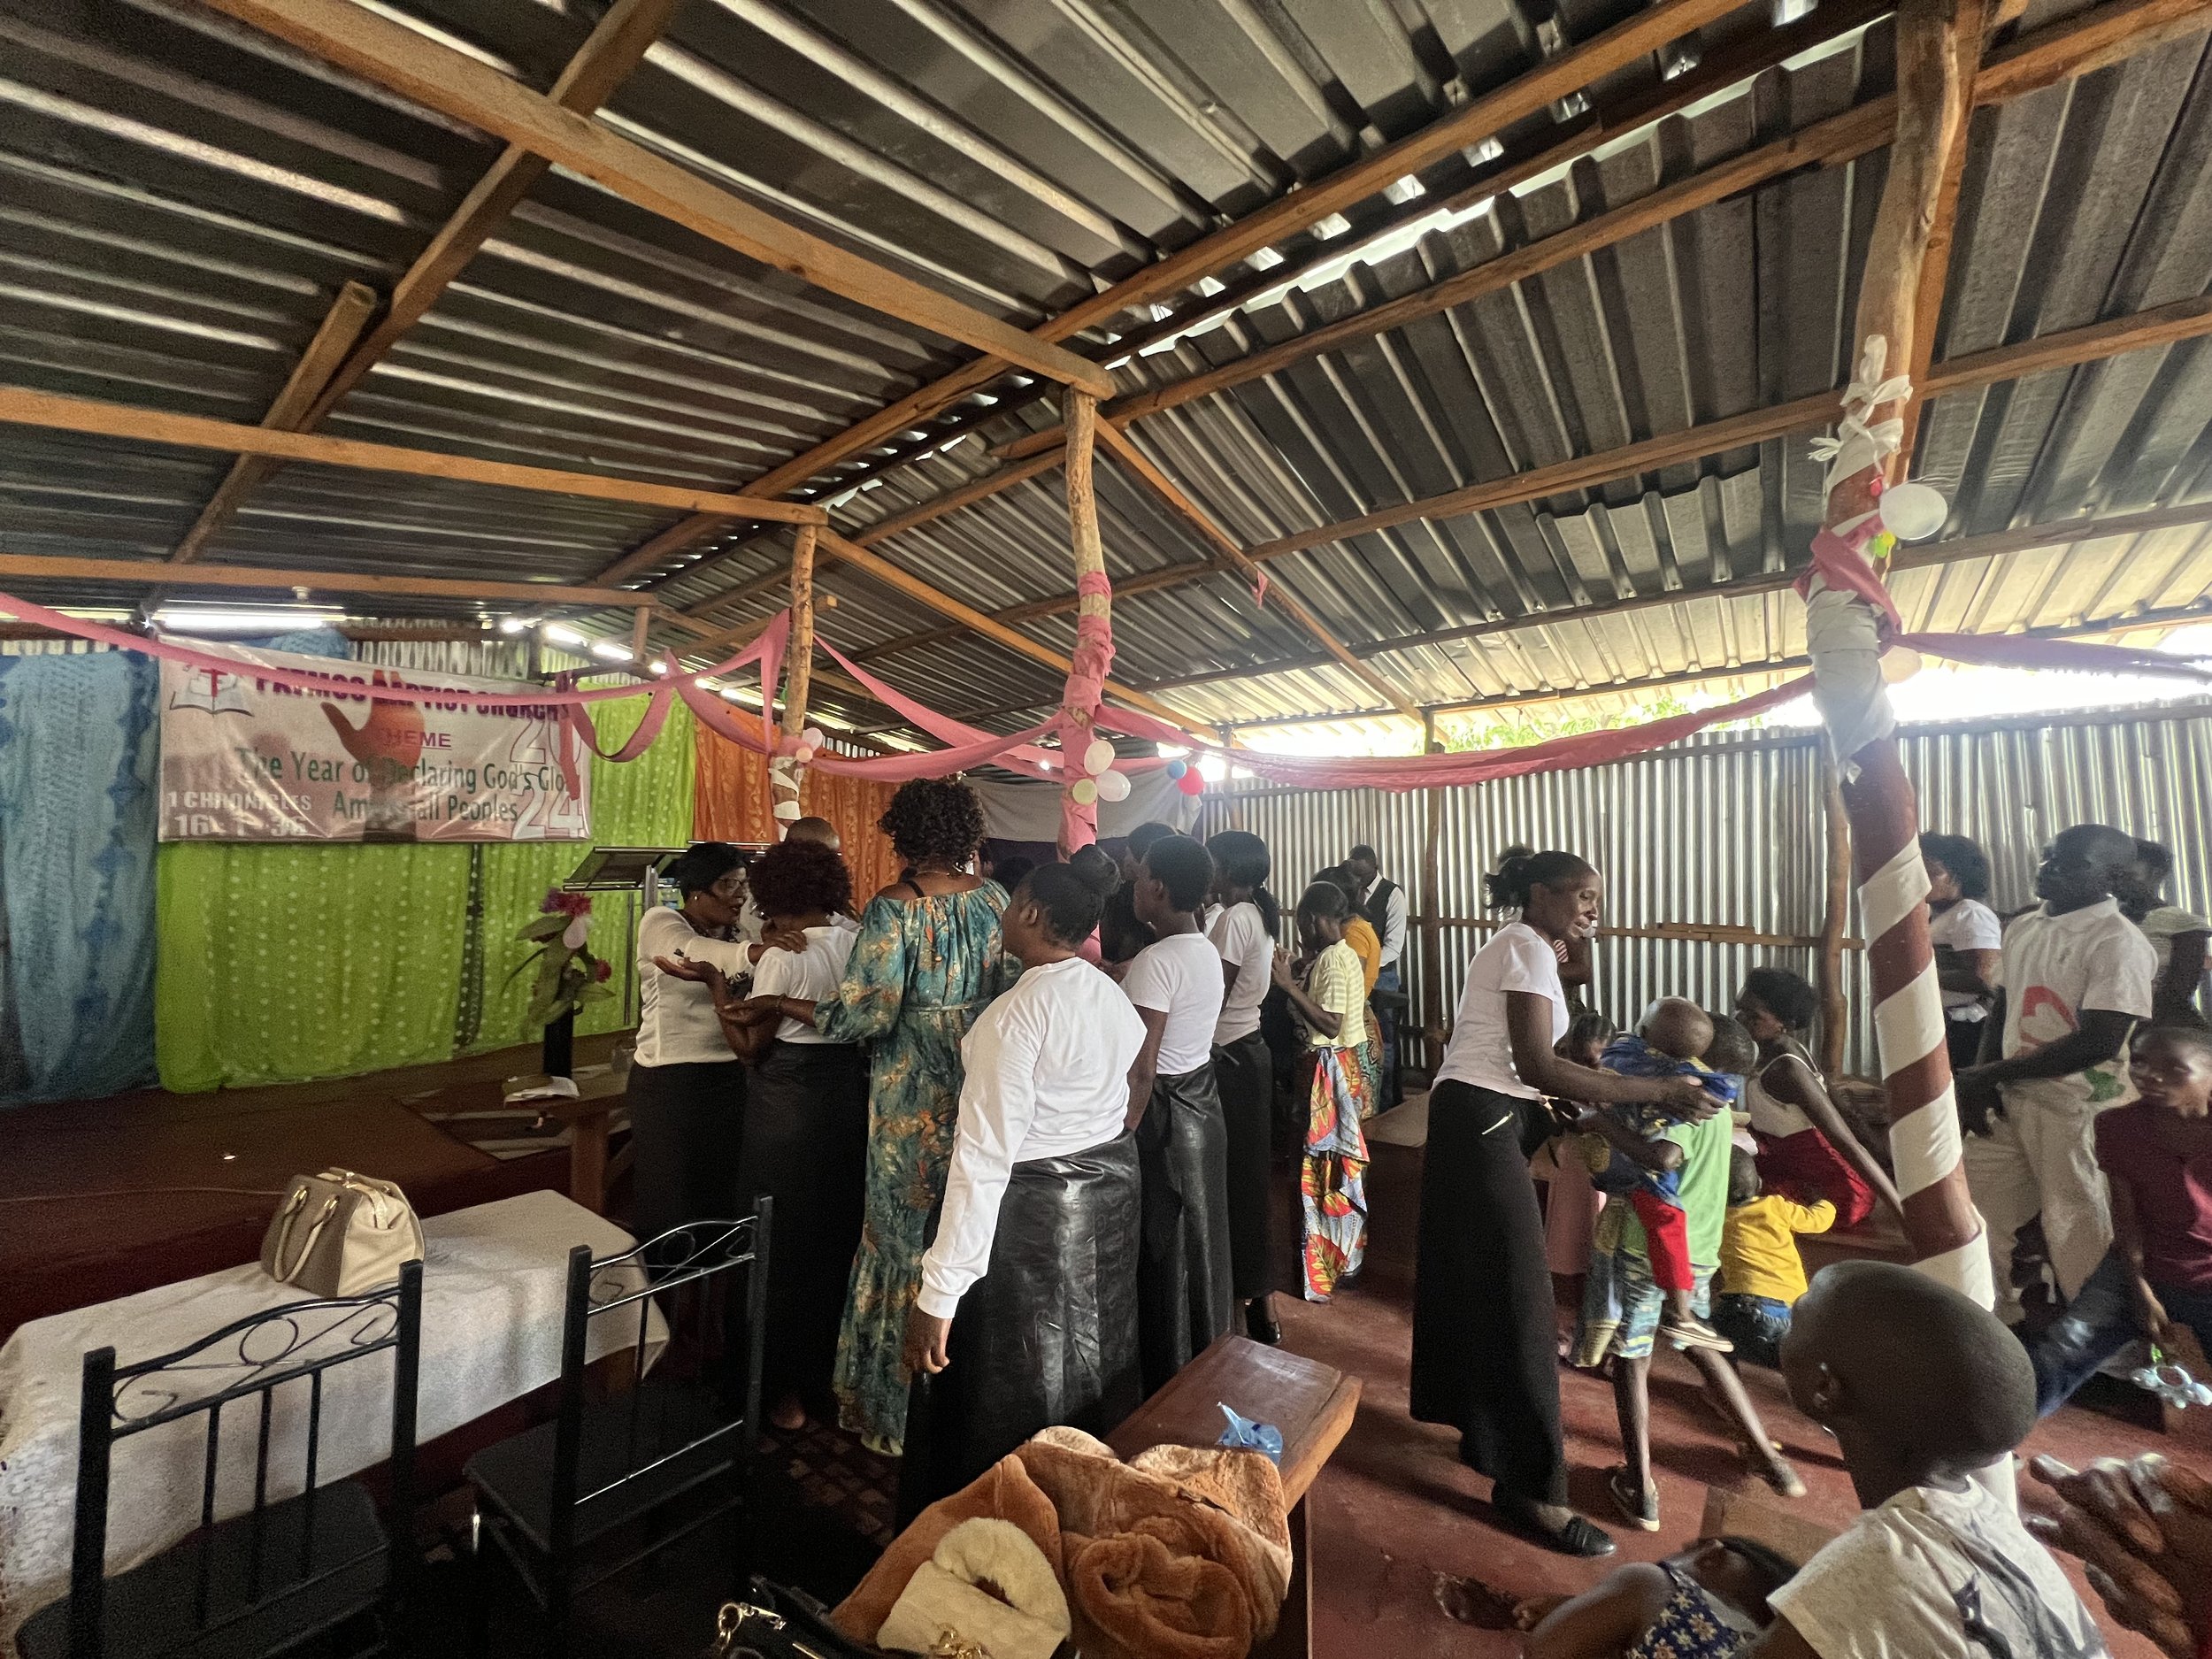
1397,1519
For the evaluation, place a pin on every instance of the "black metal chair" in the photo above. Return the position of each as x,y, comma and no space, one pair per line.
281,1573
621,1473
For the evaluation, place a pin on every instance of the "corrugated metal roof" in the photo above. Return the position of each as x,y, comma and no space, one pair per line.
181,199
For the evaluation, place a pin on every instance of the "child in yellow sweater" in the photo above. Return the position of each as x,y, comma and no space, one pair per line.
1762,1275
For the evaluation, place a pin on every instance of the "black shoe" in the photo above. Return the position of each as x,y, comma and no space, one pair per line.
1577,1537
1260,1325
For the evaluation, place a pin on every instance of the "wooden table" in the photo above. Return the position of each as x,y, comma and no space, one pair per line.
601,1092
1311,1404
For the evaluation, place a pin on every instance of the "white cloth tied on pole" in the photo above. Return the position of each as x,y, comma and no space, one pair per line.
1858,443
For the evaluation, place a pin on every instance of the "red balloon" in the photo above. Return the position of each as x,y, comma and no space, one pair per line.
1191,782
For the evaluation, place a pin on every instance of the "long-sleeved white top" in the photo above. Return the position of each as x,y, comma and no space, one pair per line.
1048,1074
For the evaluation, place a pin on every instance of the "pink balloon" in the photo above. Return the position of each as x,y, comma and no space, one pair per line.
1191,782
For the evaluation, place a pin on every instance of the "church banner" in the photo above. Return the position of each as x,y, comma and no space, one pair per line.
246,758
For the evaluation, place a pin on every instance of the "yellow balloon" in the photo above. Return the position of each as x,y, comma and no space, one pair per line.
1084,790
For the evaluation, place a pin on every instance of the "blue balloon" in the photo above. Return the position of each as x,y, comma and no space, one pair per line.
1176,769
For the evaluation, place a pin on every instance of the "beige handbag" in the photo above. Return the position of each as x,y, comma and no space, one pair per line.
339,1234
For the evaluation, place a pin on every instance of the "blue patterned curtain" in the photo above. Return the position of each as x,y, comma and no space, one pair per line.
77,818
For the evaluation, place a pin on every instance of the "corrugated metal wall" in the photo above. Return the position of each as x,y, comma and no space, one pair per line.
1727,833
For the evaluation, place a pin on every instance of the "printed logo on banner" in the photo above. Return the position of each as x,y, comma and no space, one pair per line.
244,758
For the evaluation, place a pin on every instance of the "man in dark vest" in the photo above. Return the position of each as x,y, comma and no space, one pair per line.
1382,903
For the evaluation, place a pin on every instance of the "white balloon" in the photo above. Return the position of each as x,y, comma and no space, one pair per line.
1113,785
1084,791
1900,663
576,933
1913,512
1098,757
804,753
812,737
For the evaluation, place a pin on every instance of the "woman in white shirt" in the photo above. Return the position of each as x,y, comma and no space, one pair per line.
1242,931
1969,940
1184,1295
1027,1313
1486,1355
806,1121
687,1090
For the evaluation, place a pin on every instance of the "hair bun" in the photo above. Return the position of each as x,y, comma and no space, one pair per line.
1095,870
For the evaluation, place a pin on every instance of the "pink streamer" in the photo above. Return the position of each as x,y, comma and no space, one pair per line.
1841,562
1031,761
358,688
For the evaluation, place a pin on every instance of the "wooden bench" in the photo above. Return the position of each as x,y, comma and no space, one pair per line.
1311,1404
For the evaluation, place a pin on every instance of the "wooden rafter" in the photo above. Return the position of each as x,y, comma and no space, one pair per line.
2164,324
438,77
903,581
160,572
1572,70
1232,558
602,63
2091,40
341,325
1929,556
20,407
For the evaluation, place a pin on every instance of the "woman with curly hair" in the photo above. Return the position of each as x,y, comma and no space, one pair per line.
928,959
1969,940
806,1122
1807,1151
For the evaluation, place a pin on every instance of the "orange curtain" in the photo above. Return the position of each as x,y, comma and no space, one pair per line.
731,802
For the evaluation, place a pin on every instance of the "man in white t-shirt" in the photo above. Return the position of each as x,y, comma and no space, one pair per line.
1921,1390
2077,975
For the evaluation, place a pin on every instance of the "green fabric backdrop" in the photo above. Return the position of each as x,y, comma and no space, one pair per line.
277,964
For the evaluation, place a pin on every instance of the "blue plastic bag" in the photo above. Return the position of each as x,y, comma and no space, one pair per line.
1243,1434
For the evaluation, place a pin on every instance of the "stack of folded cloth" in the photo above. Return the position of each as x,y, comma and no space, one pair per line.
1183,1554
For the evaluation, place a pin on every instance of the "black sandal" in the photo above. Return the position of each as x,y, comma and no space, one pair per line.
1576,1537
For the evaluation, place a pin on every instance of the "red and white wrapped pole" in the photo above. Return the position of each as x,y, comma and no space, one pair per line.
1848,613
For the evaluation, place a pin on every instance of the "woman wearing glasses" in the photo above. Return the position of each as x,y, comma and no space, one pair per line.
687,1092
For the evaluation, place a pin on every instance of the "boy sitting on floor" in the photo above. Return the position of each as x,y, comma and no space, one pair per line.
1762,1275
2156,1279
1922,1389
1631,1156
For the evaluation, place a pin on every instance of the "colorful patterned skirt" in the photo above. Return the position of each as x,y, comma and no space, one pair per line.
1333,1172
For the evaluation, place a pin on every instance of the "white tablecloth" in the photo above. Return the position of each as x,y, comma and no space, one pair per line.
494,1279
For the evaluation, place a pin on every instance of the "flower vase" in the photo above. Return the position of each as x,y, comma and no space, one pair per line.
559,1046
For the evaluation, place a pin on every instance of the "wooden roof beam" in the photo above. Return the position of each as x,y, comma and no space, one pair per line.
1232,558
323,376
161,572
1640,36
125,421
341,325
2184,320
438,77
2088,41
1927,555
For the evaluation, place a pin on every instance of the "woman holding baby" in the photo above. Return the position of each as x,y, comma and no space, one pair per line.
1485,1346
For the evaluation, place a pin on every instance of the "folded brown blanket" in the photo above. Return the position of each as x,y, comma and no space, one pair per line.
1184,1553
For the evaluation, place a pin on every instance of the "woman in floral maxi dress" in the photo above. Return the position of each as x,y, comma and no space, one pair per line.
1332,1009
928,960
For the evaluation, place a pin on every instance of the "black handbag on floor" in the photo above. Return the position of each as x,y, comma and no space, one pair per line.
776,1623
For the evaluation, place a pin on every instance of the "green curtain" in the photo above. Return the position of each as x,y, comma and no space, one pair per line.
276,963
643,802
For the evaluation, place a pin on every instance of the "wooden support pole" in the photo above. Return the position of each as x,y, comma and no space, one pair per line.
786,771
640,627
341,325
1835,922
1094,648
1232,558
160,572
1939,1216
194,432
441,78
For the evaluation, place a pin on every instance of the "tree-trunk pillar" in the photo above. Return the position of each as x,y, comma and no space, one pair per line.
787,768
1847,612
1092,657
